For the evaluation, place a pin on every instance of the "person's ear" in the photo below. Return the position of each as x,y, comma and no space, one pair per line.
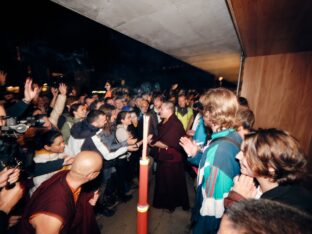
93,175
46,147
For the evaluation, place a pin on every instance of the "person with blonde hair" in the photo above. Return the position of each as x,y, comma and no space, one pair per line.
217,165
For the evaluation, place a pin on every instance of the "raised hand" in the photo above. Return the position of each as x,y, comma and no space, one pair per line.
189,146
245,186
3,76
54,91
63,88
29,92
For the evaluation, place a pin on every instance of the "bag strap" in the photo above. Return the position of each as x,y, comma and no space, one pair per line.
228,139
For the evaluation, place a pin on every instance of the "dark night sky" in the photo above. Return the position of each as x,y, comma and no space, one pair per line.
51,38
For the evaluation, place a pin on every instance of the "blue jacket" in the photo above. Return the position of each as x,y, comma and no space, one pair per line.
217,168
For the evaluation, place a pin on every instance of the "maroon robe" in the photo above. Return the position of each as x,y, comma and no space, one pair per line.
55,196
170,185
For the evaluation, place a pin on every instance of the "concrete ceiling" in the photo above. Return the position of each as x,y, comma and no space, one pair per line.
199,32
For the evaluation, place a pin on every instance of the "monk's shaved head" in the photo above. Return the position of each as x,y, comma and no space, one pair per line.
169,106
87,162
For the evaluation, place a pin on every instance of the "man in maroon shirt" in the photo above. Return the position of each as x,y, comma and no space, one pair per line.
53,206
170,185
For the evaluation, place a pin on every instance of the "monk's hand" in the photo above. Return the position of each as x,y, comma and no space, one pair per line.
189,146
245,186
149,138
95,197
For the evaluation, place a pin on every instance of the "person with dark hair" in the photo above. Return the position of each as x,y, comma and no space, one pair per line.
49,146
77,112
243,101
124,176
85,135
264,216
246,120
184,113
274,158
217,165
108,88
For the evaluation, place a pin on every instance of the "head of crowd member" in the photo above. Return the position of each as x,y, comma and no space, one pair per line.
8,97
110,101
119,103
172,99
144,106
272,155
166,110
246,120
147,96
123,118
134,118
89,100
182,101
78,111
243,101
220,109
158,101
108,86
97,118
2,116
110,112
264,216
51,141
82,98
96,105
138,101
73,92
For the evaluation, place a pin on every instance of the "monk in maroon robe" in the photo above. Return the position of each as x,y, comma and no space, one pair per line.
58,204
170,185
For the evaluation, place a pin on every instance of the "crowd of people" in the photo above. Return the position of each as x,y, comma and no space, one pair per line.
79,156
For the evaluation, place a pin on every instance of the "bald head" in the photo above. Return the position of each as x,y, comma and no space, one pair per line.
87,162
166,110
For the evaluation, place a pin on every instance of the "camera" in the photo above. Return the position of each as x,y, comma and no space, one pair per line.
14,127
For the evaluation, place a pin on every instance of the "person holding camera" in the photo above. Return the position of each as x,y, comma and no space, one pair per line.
8,197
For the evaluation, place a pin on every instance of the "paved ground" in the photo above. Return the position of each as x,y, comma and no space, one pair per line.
160,221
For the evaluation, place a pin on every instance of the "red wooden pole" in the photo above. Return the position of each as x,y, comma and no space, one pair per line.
142,207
